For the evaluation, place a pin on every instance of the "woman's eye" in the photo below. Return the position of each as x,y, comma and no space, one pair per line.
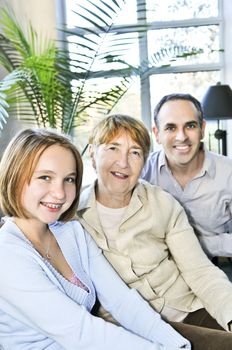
136,153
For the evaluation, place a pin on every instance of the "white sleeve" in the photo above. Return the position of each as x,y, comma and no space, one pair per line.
29,296
128,307
217,245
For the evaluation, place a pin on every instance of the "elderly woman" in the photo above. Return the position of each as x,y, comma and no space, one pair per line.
144,233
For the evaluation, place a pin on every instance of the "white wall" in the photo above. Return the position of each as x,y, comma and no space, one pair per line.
42,15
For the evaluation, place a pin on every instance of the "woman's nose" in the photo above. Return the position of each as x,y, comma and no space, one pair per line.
122,160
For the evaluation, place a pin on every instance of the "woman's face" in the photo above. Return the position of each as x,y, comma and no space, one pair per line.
118,165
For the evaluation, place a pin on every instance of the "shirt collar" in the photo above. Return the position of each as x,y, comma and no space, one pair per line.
209,165
162,160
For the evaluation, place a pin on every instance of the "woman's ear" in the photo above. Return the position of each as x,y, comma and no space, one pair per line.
92,155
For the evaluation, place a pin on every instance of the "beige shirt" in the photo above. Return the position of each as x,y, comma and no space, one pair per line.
110,219
159,255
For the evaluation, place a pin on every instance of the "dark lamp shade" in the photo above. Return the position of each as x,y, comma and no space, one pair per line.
217,102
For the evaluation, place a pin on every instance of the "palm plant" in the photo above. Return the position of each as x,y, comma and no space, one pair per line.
55,85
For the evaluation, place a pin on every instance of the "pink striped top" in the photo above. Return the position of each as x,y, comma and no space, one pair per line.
75,280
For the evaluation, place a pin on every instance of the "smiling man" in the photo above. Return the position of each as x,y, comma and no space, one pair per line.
200,180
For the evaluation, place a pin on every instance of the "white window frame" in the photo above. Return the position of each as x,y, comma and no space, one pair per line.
188,68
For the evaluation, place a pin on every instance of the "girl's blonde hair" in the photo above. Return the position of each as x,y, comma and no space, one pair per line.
18,164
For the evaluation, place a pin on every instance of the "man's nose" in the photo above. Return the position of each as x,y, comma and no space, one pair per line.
181,135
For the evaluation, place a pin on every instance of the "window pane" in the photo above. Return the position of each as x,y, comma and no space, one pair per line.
170,10
204,37
116,92
73,8
105,52
130,102
193,83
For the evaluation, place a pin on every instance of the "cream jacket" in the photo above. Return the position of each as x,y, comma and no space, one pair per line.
159,255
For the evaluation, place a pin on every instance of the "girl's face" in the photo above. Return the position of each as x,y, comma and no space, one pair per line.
52,188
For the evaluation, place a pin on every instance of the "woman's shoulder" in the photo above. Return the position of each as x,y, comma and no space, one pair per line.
156,195
87,197
153,190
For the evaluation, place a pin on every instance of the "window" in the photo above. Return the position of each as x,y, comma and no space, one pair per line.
181,49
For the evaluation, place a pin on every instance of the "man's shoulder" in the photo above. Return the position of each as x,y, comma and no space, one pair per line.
151,166
219,159
155,156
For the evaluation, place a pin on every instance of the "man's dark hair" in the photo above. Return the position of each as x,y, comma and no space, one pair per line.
178,96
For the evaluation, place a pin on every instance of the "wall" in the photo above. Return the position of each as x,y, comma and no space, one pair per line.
42,14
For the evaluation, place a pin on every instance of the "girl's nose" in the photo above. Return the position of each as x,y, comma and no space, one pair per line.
58,191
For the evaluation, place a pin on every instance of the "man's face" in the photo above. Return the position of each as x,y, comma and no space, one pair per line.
179,132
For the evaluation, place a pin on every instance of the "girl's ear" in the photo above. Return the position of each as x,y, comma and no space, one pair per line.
92,155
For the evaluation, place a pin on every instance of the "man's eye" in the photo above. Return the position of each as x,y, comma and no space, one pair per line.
170,128
191,126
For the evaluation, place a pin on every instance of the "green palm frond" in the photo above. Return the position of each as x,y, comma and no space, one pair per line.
3,109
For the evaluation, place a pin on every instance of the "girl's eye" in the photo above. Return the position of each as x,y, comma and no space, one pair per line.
45,177
70,180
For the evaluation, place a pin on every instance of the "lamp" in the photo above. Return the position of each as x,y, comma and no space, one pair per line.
217,105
